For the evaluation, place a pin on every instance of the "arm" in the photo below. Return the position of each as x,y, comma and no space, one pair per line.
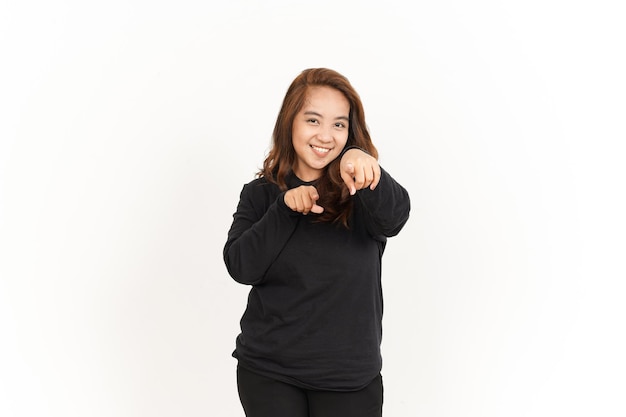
261,227
385,202
386,207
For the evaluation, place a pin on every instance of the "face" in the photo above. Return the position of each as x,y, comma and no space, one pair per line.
320,131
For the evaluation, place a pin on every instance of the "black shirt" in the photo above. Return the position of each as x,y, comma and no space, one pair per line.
314,312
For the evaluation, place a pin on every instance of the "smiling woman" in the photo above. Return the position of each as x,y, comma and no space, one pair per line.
320,131
308,237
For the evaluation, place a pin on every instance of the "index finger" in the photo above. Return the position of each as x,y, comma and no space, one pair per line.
348,179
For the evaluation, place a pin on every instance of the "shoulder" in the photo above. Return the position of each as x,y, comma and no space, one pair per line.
259,193
260,186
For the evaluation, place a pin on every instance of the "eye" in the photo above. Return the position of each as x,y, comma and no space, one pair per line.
314,121
340,125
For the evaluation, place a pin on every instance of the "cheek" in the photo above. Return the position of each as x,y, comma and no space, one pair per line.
296,136
300,134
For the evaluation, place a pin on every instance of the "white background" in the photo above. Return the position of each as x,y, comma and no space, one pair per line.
127,129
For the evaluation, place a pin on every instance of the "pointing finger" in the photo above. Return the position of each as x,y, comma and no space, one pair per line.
347,174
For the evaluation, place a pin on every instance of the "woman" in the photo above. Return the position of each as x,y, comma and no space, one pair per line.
308,236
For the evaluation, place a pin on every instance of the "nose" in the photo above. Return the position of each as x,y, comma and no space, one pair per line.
325,134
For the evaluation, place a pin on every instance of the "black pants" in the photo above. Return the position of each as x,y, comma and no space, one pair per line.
265,397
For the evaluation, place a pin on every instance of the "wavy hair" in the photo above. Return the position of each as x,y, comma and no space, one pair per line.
334,195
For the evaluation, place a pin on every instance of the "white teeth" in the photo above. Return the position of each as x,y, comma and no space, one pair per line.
318,149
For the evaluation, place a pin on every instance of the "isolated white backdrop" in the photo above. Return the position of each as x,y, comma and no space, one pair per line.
129,127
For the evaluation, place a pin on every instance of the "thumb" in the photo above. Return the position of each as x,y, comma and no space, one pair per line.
317,209
314,197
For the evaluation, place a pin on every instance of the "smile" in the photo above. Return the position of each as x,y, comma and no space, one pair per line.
319,149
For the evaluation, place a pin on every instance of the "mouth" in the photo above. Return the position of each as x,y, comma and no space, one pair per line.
319,150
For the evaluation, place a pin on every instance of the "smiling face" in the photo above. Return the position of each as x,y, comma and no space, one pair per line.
320,131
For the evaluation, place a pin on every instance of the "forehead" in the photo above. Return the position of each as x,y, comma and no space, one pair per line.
323,97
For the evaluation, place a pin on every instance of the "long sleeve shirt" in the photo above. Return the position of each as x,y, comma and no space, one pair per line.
314,311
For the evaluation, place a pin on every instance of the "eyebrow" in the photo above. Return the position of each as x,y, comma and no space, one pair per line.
312,113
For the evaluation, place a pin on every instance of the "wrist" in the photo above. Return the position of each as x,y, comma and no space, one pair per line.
348,148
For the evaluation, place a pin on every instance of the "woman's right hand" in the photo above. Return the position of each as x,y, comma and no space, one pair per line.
303,199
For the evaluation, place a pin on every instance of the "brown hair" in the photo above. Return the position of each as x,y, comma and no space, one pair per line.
334,195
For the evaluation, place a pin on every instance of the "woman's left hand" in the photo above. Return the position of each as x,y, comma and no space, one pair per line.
359,170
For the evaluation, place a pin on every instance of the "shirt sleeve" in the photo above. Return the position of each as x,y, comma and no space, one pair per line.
386,207
261,227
